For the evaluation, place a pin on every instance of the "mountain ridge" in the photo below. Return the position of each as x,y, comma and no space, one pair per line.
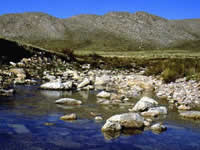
108,32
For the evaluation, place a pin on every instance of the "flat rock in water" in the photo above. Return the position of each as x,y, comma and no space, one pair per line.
69,117
190,114
55,85
144,103
68,101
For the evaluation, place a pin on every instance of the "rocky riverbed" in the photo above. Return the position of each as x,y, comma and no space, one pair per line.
113,87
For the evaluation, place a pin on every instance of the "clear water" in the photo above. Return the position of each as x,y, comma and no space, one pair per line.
24,118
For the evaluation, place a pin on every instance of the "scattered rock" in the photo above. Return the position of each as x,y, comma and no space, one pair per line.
102,80
49,124
68,85
54,85
103,101
184,107
147,124
190,114
98,118
68,101
84,83
155,111
7,92
104,94
19,72
49,77
158,127
69,117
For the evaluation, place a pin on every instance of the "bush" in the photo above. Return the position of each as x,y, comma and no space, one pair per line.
69,53
169,75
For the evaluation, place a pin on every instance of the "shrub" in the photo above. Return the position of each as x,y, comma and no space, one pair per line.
169,75
69,53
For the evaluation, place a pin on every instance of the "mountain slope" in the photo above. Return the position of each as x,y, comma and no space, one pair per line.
112,31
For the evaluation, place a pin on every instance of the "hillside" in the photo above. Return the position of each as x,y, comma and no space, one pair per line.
112,31
24,51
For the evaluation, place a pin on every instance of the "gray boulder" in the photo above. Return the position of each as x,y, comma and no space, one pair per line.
111,126
84,83
68,101
155,111
158,127
144,104
68,85
104,94
102,80
126,120
54,85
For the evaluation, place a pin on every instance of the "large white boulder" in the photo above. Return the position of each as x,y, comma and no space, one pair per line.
54,85
126,120
144,104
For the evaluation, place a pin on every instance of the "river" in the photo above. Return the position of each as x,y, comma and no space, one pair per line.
30,120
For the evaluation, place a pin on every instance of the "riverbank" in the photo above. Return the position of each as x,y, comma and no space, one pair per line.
112,86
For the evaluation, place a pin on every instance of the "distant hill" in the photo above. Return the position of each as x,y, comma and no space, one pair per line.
112,31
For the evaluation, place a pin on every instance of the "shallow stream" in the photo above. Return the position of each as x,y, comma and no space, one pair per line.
30,120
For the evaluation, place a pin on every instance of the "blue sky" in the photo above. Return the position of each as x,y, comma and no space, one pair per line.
171,9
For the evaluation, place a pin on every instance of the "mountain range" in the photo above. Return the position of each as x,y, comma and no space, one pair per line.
110,32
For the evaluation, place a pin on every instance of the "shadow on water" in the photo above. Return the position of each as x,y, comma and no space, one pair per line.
30,120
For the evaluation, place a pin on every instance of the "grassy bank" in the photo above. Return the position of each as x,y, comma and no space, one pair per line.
147,54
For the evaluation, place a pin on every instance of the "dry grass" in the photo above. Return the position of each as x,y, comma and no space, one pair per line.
146,54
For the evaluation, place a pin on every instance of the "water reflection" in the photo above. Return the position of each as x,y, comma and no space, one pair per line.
31,120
